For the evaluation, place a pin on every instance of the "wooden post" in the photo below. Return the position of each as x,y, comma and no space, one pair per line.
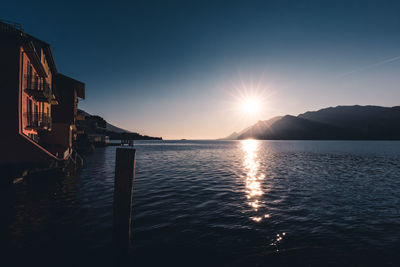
123,188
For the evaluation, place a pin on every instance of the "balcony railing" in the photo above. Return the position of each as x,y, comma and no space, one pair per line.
9,26
37,120
39,90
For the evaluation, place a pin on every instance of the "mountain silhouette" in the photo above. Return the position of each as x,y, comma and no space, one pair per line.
255,130
334,123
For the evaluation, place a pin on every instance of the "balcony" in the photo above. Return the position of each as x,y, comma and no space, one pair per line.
37,121
9,26
39,90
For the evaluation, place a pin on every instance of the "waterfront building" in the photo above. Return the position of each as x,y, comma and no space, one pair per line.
99,139
62,137
35,111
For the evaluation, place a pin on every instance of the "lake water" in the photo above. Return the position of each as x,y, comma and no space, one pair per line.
220,203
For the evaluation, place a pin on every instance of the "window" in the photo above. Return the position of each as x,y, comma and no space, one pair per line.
28,110
29,105
29,76
36,83
36,114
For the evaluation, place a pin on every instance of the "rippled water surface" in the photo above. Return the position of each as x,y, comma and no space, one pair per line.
224,203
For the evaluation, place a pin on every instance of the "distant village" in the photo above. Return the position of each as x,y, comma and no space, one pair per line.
43,127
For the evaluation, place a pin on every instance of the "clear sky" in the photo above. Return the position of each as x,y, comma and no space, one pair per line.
180,69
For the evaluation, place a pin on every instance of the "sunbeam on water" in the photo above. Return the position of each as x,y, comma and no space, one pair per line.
253,175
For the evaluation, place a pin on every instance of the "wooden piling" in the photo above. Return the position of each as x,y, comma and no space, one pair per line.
123,189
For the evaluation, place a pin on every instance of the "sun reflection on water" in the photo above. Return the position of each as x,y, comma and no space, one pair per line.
253,176
277,240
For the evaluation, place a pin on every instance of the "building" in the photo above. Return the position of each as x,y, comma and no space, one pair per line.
99,139
63,135
35,112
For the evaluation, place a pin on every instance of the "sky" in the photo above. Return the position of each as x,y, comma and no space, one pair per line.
182,69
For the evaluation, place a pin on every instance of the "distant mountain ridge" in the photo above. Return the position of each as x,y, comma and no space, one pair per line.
100,126
333,123
109,126
257,128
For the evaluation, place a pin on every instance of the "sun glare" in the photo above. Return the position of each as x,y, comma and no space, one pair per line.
251,106
251,101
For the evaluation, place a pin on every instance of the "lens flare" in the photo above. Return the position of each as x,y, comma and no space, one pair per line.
251,105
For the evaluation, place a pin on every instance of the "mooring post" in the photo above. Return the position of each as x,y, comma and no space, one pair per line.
123,189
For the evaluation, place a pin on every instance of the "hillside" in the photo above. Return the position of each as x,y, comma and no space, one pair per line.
255,130
334,123
94,124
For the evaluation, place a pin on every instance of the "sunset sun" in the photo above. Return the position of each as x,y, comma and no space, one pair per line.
251,106
251,99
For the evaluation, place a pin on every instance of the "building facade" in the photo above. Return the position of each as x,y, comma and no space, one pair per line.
63,135
28,77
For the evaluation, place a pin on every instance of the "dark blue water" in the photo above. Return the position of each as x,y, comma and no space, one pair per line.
222,203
